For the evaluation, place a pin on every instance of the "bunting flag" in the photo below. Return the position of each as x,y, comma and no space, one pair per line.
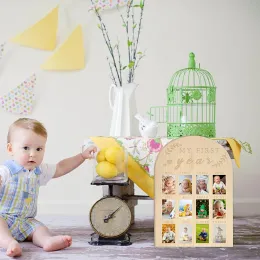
108,4
70,55
20,100
2,47
41,35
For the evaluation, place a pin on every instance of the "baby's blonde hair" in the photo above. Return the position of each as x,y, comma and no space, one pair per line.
168,201
168,178
27,123
189,183
218,202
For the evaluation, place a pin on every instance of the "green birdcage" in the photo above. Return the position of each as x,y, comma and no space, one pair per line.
191,103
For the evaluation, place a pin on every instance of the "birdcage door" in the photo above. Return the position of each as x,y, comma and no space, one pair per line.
159,114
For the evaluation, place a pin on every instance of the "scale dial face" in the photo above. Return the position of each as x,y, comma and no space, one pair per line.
110,217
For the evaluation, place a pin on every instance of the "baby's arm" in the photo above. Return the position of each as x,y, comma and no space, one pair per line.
198,188
67,165
214,187
223,212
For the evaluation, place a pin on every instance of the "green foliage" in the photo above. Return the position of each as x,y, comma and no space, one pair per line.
131,64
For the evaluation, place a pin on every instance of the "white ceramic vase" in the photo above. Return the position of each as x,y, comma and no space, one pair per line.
123,104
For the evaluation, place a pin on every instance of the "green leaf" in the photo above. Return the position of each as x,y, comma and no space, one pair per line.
139,53
135,26
131,64
129,43
124,67
124,25
99,26
136,6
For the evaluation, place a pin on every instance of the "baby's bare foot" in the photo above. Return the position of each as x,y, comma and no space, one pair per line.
57,243
14,249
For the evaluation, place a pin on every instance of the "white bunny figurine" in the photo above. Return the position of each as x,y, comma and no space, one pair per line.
147,127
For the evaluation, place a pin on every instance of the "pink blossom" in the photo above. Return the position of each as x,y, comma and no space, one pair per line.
154,145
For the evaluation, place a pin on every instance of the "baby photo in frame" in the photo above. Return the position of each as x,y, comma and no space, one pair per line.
219,209
219,233
185,184
168,209
185,208
219,184
202,184
168,233
202,209
168,184
202,233
185,233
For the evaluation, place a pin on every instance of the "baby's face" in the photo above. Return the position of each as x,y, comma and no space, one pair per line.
219,207
168,229
217,179
185,184
169,182
185,230
169,205
202,184
27,148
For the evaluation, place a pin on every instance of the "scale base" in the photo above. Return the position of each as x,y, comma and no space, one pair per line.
123,240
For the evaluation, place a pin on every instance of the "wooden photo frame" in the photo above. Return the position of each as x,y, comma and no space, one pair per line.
193,194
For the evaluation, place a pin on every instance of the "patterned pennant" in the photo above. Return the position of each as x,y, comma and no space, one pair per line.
108,4
20,99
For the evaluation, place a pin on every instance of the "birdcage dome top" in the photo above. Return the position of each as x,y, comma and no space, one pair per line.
192,77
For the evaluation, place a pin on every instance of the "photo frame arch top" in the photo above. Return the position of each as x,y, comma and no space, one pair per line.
197,174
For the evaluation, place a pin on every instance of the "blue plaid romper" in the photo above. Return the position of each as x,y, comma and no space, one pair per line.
18,197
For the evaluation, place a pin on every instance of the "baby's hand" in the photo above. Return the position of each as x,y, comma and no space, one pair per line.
89,152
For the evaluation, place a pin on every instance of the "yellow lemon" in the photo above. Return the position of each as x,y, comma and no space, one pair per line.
101,156
114,154
106,170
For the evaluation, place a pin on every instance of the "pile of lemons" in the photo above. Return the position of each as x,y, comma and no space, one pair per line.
110,162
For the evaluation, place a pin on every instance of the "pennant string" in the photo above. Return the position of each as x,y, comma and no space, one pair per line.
2,47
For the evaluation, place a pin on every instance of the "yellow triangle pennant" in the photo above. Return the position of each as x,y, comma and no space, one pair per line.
41,35
70,55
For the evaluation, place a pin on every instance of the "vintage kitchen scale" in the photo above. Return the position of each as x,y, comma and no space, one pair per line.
110,217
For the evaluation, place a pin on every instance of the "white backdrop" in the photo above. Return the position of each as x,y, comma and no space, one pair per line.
225,37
